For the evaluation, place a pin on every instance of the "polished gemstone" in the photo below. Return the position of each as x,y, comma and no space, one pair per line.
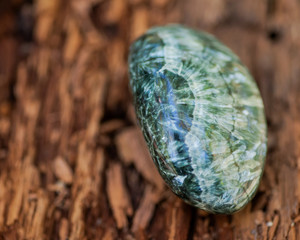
202,116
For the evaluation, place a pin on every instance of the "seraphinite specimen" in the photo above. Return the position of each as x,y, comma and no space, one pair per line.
202,116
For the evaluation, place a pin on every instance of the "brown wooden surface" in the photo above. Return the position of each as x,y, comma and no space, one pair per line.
73,164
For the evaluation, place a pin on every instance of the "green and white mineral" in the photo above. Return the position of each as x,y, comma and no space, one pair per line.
202,117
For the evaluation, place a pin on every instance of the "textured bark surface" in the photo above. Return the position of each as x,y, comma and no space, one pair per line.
73,163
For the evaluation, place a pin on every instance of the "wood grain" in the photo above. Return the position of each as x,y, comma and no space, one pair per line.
73,164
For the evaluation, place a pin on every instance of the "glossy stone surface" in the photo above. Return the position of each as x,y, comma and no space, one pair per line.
202,117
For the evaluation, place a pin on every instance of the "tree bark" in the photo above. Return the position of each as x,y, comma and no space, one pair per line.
73,163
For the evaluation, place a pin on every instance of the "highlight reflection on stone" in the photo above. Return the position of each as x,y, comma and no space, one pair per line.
201,115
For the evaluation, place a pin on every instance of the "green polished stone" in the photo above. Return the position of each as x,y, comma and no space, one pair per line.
202,117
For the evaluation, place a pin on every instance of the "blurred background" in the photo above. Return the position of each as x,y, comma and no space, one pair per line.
73,163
